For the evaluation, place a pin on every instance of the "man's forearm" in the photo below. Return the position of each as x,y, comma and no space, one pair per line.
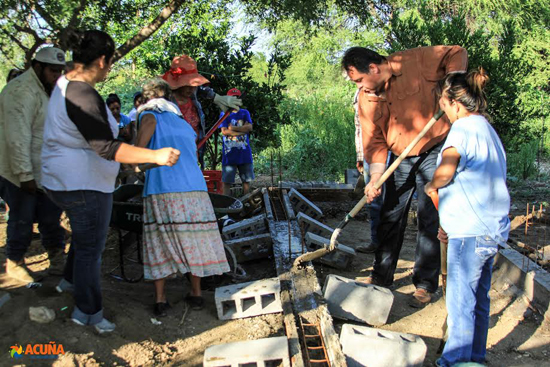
242,129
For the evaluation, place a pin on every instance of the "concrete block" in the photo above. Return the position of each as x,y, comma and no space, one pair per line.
248,227
262,353
366,346
237,301
351,176
314,226
341,258
301,204
351,300
251,248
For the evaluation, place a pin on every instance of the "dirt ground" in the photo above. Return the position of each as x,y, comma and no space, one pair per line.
517,336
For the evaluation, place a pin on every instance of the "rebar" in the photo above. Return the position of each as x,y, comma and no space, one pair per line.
315,338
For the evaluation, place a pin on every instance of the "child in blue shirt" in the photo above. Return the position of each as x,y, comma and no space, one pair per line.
236,152
473,211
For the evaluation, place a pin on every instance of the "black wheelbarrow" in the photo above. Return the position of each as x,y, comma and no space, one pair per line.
127,216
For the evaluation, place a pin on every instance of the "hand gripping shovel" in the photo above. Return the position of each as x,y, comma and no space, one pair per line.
309,256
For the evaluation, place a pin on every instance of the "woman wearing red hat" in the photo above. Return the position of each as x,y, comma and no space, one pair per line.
184,80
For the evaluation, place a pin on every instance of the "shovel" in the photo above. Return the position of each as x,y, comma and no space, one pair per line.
443,248
309,256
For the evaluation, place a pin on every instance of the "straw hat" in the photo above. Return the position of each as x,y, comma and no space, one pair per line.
183,72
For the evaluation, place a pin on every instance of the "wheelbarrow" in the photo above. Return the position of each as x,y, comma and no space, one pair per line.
127,215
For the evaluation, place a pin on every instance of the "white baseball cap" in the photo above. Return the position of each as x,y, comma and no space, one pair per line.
50,55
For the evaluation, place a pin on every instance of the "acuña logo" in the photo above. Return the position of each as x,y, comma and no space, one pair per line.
16,351
37,351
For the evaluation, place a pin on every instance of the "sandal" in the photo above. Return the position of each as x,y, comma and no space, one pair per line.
160,309
196,303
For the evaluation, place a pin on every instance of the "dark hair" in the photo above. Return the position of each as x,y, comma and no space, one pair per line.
360,58
137,95
89,46
13,73
466,89
112,98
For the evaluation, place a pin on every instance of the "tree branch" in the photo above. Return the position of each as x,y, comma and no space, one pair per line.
15,40
46,16
29,31
76,14
148,31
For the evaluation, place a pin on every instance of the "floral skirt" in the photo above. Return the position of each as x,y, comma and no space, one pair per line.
180,235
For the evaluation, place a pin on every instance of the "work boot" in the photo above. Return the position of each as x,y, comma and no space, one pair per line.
18,270
57,261
420,298
371,280
367,249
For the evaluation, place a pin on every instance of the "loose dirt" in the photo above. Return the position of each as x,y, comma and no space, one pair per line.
517,336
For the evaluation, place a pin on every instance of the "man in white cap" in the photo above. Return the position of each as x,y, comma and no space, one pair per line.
23,106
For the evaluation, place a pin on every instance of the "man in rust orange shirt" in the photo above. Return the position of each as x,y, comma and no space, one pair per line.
396,101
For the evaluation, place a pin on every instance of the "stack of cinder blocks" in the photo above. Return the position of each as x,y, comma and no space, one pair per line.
301,204
249,239
268,352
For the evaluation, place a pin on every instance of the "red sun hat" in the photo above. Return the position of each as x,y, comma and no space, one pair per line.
234,92
183,73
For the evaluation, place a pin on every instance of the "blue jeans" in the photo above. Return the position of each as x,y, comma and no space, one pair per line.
25,209
89,213
469,265
246,173
412,175
374,208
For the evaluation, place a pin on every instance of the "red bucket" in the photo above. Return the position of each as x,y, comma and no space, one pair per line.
213,181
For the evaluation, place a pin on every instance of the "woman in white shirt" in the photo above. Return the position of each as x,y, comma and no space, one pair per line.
79,168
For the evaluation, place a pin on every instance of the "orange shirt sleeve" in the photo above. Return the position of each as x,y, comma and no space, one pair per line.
438,61
373,116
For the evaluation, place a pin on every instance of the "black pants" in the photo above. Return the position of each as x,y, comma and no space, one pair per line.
412,175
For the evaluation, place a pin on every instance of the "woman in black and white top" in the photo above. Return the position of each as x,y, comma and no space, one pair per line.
79,168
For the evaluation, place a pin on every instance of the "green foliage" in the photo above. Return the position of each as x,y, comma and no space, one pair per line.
522,164
319,139
506,38
221,58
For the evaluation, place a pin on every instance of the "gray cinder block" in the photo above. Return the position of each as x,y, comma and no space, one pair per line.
261,353
251,248
351,300
366,346
248,227
301,204
314,226
341,258
237,301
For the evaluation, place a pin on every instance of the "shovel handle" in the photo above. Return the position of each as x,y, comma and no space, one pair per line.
378,184
434,195
408,149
